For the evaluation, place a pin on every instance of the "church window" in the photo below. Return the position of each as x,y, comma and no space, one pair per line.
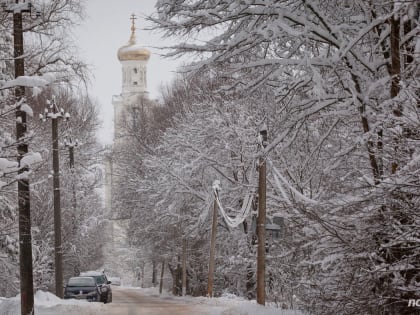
135,70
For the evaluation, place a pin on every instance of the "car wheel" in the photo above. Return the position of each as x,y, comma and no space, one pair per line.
108,298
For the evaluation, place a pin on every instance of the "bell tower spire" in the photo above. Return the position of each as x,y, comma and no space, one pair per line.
134,59
133,19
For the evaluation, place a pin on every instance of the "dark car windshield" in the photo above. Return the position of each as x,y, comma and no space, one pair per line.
81,282
100,279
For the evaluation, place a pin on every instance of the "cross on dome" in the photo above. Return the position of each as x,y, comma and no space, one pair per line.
133,51
133,18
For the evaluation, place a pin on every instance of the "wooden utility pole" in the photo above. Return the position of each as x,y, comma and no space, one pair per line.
212,248
261,222
57,206
161,276
184,266
154,273
71,146
142,275
24,207
53,113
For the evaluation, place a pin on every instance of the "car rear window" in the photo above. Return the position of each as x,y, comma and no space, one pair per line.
81,282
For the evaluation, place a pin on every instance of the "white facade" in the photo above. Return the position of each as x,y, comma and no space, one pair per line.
134,77
133,96
133,60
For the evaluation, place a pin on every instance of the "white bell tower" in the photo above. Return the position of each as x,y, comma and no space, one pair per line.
130,104
134,60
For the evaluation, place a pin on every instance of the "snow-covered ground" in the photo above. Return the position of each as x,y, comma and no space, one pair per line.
48,304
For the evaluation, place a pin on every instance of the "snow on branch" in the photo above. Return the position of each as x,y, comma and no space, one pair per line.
30,158
29,81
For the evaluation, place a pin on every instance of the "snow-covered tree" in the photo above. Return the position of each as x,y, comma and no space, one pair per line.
50,61
342,80
82,209
206,139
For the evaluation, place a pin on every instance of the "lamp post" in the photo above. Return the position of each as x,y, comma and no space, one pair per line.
52,112
17,8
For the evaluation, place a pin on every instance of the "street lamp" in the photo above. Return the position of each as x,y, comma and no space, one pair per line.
17,8
54,113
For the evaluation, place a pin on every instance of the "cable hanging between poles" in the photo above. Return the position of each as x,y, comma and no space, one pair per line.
281,184
246,205
278,178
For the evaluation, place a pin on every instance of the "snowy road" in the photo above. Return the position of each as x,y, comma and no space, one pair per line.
136,301
133,302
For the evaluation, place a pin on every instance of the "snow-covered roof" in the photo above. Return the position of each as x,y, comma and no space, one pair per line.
91,273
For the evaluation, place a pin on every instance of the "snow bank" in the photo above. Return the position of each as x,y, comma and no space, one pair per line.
239,306
249,309
47,303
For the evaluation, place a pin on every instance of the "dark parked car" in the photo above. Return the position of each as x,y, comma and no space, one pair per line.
102,282
82,288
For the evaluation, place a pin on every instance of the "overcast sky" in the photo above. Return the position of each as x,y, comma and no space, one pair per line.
105,30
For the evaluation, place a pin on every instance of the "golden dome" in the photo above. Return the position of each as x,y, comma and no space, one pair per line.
132,51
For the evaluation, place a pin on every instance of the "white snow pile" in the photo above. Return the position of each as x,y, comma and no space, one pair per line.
47,303
239,306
